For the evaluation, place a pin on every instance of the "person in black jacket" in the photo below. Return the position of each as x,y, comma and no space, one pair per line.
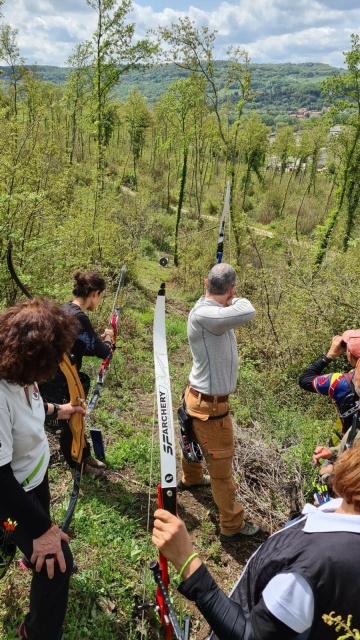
88,290
334,385
340,388
34,335
308,569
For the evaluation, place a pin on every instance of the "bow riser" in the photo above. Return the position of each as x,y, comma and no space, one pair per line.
77,398
163,564
77,426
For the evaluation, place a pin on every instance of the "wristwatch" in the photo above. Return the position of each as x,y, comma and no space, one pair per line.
56,410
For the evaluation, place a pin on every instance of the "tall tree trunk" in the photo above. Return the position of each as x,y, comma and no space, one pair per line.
180,203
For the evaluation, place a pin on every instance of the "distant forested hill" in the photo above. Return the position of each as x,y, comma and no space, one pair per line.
279,88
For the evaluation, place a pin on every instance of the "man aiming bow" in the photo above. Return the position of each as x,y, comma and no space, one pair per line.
213,377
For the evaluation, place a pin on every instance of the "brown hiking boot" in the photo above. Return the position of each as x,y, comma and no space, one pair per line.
93,462
95,472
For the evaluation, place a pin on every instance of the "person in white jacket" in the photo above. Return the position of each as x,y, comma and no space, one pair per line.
34,335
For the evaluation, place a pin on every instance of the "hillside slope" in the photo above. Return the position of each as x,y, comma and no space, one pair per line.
278,87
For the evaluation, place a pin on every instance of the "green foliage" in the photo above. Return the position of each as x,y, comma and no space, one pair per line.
129,180
278,89
10,53
341,625
50,187
137,118
133,451
260,397
176,332
345,91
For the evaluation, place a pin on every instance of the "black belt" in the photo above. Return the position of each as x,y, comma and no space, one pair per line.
223,415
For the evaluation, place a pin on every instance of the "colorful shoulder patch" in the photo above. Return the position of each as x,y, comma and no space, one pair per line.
333,385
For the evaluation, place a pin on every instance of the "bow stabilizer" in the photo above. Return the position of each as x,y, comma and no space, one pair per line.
225,213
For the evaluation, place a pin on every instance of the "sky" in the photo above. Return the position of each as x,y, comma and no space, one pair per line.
271,31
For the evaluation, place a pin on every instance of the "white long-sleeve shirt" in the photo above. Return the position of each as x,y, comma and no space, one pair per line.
23,441
213,344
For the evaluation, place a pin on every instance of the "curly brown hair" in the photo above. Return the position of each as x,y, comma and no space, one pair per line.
346,478
86,282
34,335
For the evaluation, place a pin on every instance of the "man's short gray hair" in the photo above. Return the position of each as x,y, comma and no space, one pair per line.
220,279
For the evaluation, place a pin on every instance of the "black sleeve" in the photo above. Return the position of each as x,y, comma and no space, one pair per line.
308,375
225,617
15,501
267,627
94,345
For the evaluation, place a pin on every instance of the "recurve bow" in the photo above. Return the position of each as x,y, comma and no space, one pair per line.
167,487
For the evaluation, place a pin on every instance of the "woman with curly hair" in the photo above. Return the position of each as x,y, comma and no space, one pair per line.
88,289
34,335
308,569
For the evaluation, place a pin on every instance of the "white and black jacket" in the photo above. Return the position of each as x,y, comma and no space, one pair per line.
303,571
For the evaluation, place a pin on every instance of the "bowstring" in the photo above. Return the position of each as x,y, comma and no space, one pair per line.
229,231
152,445
118,302
119,295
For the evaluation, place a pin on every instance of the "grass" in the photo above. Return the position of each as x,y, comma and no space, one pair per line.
109,536
110,530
